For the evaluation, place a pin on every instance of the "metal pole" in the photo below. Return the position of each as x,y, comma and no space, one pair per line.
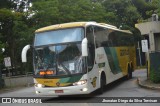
139,52
9,76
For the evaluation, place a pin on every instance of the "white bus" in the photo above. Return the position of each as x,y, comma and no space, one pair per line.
80,57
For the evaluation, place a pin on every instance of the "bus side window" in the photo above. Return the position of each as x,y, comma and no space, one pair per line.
101,36
121,39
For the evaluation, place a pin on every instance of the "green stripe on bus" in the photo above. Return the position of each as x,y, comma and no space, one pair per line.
71,79
113,59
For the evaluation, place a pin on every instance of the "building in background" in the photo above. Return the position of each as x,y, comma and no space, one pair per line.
151,32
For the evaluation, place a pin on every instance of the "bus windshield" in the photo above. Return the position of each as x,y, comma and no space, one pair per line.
59,36
58,52
60,60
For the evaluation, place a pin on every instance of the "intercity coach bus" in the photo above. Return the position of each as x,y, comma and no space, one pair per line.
80,57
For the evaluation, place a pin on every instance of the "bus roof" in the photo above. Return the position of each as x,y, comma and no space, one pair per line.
78,24
61,26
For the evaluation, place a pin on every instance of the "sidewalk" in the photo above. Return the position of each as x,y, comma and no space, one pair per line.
14,88
145,83
10,89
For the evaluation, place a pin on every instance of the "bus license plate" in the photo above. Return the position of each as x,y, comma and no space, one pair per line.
58,91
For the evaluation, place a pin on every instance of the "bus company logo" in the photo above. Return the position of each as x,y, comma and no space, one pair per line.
94,82
6,100
58,84
48,81
124,52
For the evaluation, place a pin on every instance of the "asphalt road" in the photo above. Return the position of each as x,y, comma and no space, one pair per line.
120,88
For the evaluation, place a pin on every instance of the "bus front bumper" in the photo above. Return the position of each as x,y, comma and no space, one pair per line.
69,90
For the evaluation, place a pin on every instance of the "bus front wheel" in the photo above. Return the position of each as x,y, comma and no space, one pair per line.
102,84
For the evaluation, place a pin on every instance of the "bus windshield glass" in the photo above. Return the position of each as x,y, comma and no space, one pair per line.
59,36
58,60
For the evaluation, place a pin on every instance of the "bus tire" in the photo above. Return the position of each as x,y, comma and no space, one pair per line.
132,68
102,83
129,76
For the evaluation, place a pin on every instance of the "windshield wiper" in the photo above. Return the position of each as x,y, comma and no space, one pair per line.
65,68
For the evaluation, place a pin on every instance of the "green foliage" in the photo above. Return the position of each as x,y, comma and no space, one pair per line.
61,11
126,15
16,5
14,34
155,75
146,9
6,4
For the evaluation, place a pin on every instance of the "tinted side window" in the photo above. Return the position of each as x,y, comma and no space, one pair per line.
121,39
101,36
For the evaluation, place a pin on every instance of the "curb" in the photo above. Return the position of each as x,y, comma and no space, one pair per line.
146,86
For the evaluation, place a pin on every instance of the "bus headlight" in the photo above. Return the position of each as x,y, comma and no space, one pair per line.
39,85
84,89
81,82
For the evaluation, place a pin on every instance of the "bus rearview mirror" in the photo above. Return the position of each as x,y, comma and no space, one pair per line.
84,47
24,53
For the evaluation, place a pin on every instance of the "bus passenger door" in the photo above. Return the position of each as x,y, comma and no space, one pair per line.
92,66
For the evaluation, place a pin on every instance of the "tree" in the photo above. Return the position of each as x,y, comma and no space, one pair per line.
60,11
1,52
6,4
123,12
145,7
14,33
15,5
